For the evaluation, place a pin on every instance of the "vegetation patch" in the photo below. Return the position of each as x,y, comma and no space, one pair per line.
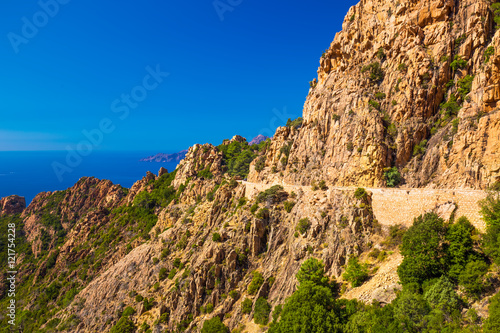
392,177
376,74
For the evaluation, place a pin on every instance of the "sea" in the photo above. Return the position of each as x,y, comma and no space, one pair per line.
28,173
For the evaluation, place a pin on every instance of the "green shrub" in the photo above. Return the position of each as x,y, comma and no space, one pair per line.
465,85
374,104
458,62
355,272
442,295
70,295
472,278
496,14
420,149
288,205
262,311
177,262
254,208
314,186
262,213
312,308
297,123
172,274
233,183
53,323
260,163
312,270
216,237
322,185
209,308
423,249
395,237
165,253
410,308
451,107
129,311
256,283
392,130
460,247
234,294
381,53
380,95
490,209
492,324
488,53
246,306
237,157
164,318
402,67
124,325
392,177
163,274
454,127
214,325
184,240
335,117
274,194
205,173
211,196
303,225
360,193
72,322
375,70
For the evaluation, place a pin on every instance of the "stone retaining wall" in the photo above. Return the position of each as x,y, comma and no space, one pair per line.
393,206
401,206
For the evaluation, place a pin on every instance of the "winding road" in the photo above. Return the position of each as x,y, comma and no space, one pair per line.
393,206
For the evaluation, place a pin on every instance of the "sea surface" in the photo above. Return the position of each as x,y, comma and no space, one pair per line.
29,173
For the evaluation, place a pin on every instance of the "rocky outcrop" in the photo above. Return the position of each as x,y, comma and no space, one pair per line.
199,158
162,171
276,159
52,214
378,95
143,184
11,205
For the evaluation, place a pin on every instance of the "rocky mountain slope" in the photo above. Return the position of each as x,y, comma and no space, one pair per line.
406,87
205,243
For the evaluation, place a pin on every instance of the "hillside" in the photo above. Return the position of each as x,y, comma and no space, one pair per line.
371,213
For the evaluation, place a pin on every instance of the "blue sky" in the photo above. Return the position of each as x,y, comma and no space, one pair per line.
71,70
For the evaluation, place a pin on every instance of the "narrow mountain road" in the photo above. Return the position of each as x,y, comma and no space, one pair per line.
263,187
393,206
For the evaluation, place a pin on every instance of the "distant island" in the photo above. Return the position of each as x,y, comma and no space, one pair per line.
161,157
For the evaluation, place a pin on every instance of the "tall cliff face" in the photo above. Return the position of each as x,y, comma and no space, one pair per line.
380,93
